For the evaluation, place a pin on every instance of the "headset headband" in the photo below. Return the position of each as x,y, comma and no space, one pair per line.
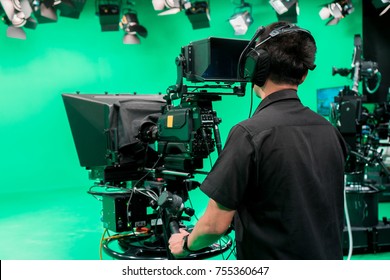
284,29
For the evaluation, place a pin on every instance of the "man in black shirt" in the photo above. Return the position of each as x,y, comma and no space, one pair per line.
280,175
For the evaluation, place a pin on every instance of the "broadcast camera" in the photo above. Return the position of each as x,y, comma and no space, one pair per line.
143,150
364,127
360,128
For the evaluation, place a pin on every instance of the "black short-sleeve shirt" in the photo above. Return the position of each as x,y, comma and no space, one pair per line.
283,171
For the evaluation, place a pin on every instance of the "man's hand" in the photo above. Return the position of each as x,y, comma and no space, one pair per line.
176,242
211,226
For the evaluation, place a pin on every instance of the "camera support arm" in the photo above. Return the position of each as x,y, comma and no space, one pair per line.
357,57
176,91
360,69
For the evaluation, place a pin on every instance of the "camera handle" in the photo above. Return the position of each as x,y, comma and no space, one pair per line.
217,135
176,91
356,78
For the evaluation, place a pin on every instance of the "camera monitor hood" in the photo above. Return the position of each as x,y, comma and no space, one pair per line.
213,60
102,123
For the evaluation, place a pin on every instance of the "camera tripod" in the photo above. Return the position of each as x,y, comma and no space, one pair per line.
142,236
152,244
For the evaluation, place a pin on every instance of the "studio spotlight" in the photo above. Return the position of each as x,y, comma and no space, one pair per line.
130,25
286,10
20,14
17,15
16,32
382,5
171,7
45,11
241,18
158,5
71,8
199,15
282,6
109,14
336,10
197,12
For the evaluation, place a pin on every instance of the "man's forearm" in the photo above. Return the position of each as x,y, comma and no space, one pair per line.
202,236
210,227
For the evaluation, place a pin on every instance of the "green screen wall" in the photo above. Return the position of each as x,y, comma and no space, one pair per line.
43,188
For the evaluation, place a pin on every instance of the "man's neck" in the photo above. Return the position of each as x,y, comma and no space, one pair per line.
270,87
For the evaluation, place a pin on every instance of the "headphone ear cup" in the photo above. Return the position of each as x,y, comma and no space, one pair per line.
257,64
262,68
249,65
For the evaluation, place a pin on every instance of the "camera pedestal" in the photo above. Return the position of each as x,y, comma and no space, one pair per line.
368,240
152,247
369,235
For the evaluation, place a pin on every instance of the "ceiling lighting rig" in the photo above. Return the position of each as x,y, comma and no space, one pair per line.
114,15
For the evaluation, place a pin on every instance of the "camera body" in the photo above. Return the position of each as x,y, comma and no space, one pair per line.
185,135
142,150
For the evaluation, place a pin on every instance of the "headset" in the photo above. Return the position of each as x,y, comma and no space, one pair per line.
254,62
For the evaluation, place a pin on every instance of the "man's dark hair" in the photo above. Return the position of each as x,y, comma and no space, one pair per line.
292,54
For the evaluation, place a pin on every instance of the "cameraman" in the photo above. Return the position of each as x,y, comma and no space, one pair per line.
280,175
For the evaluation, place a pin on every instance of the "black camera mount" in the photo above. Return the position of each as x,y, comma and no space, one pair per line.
143,151
363,131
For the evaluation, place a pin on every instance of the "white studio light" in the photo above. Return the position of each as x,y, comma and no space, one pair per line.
158,5
335,11
131,39
241,18
241,22
282,6
130,25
